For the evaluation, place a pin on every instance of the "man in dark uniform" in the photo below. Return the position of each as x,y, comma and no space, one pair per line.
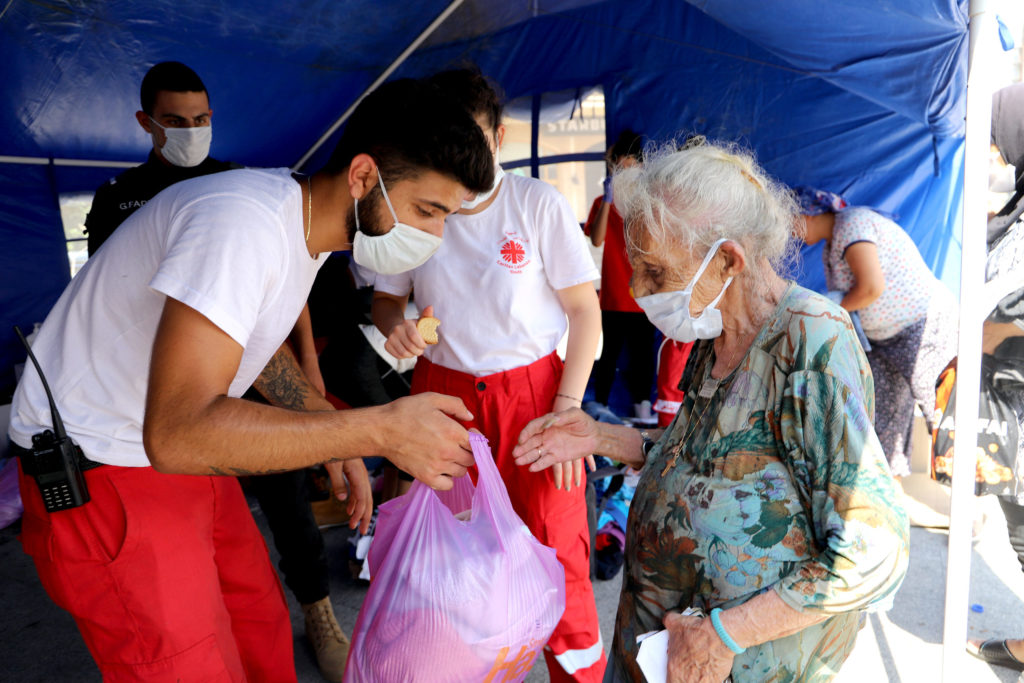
176,113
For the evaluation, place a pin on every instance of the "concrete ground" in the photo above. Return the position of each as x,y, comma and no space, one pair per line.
39,642
904,645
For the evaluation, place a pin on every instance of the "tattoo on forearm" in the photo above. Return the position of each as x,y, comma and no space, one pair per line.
242,472
283,383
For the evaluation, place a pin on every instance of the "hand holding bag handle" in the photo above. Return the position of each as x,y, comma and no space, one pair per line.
455,599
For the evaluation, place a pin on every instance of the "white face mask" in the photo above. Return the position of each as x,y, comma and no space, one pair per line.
397,251
185,147
482,197
670,311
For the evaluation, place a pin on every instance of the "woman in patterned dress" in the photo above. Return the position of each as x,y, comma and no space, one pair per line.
910,318
767,503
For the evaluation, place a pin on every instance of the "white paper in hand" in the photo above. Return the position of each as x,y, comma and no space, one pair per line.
653,655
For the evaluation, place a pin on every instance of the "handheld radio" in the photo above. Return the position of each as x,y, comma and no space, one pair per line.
54,459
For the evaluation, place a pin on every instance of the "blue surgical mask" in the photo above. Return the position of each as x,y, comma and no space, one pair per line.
670,311
400,249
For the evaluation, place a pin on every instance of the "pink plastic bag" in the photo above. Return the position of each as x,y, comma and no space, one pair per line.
472,598
10,496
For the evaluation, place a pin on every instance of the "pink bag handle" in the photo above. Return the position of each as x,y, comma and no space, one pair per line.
488,498
490,489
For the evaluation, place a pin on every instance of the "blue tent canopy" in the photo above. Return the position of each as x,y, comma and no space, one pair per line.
866,98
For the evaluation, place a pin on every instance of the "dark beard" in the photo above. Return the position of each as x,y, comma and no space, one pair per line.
369,216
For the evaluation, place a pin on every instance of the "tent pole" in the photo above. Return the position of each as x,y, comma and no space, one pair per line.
86,163
535,137
452,6
968,376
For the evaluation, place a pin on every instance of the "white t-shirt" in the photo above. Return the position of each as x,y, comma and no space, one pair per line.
229,245
493,282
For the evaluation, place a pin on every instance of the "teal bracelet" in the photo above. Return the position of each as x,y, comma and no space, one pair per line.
720,630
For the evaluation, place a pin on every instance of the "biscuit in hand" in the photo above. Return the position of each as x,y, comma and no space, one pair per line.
427,327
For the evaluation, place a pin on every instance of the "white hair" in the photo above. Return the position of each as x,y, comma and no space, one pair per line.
705,192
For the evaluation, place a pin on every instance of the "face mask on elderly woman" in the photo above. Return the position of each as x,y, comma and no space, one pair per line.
670,311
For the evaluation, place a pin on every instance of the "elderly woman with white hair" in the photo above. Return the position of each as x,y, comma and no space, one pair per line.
767,503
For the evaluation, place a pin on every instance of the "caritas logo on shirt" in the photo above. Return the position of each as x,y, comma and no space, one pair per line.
512,253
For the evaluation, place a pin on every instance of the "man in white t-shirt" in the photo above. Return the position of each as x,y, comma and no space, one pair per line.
175,112
165,574
513,274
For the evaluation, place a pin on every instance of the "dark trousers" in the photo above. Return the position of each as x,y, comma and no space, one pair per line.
1014,514
284,499
635,333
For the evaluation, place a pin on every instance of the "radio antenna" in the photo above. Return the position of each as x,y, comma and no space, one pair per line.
58,424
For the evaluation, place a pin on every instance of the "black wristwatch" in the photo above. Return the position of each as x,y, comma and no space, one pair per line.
648,444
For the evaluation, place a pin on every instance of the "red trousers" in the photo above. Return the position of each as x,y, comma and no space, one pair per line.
502,404
167,577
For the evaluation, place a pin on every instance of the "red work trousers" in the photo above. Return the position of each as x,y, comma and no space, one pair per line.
502,404
166,575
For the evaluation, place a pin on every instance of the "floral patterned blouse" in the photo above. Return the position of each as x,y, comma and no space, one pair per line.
910,286
771,480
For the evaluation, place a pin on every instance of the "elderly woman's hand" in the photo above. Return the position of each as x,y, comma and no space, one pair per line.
556,438
695,652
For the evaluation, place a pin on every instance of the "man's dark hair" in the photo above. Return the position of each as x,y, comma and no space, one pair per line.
408,126
628,144
472,91
170,76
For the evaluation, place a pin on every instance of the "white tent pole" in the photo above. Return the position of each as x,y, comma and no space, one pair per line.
983,40
88,163
380,79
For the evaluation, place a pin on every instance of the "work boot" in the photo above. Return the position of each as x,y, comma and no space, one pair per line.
328,641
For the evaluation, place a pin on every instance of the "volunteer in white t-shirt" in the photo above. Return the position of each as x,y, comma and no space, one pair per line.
512,273
167,575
